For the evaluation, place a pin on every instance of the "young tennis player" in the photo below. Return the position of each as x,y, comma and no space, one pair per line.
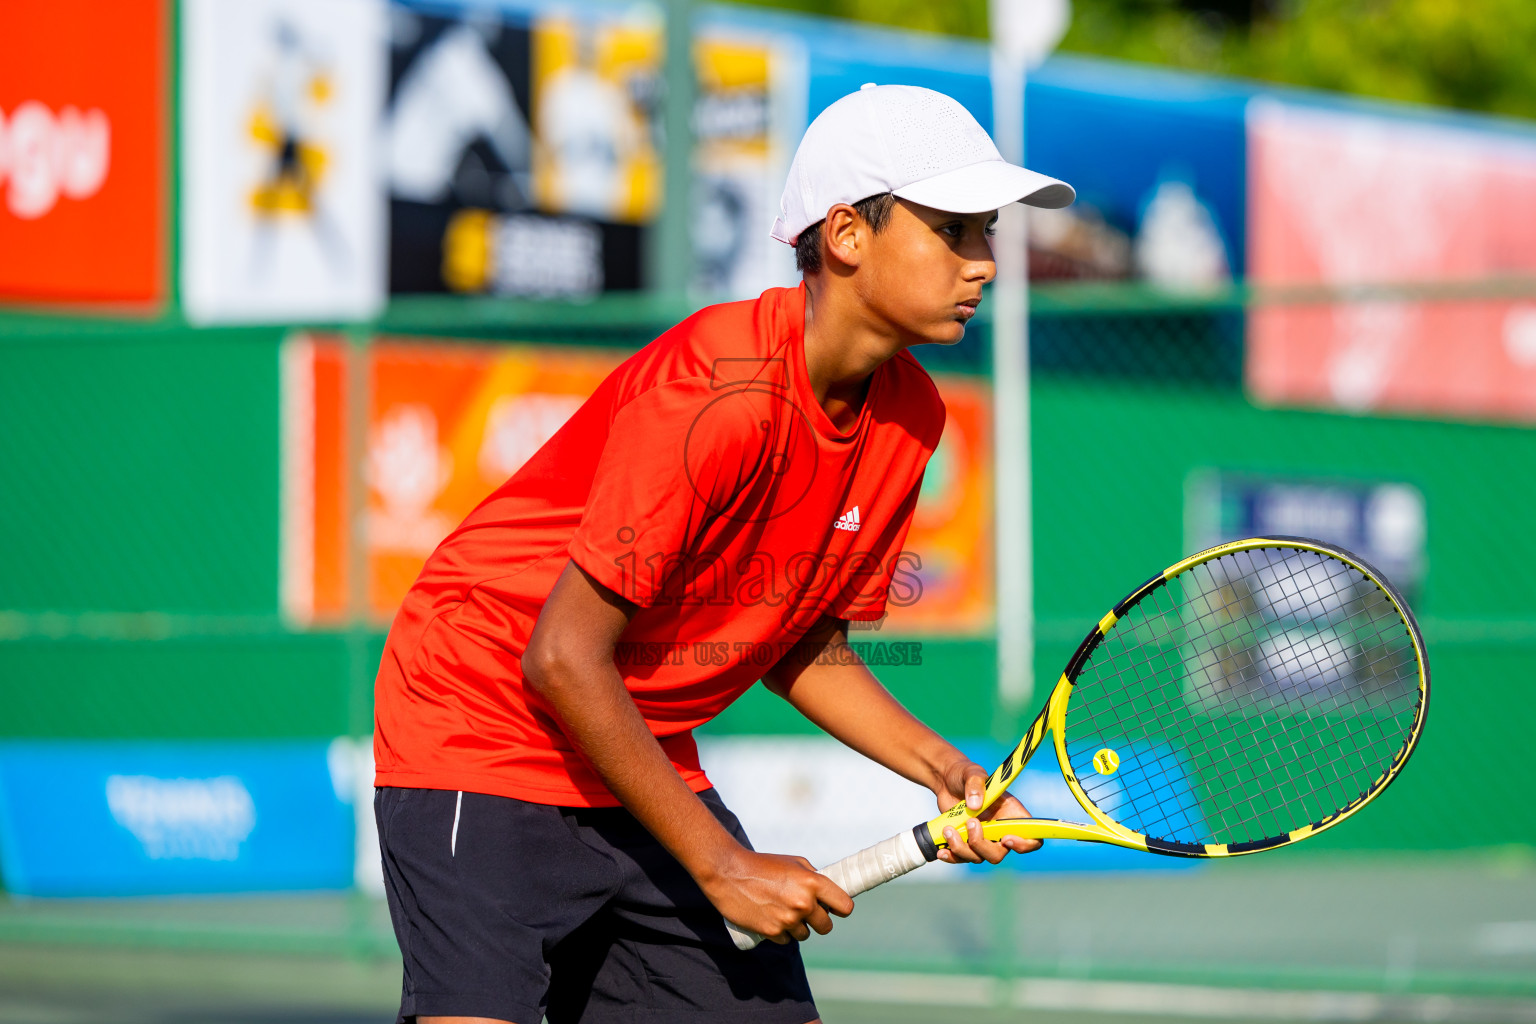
715,514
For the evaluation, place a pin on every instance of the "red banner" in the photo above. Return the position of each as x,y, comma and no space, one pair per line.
82,150
1344,200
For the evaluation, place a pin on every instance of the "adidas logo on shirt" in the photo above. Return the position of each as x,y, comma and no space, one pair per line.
848,521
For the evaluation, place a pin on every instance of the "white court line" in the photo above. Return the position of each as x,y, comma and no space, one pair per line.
1128,998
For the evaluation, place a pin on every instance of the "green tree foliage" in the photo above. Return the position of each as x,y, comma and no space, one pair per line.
1473,54
951,17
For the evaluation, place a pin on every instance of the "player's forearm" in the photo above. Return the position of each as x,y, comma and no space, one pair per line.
842,697
600,717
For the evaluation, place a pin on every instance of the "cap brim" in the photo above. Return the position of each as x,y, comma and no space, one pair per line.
985,186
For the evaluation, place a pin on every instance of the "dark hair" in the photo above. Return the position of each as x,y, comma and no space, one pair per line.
876,211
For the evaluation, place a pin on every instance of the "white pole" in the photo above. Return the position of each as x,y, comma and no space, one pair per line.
1013,512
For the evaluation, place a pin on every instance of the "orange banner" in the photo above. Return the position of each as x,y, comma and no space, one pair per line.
447,423
952,528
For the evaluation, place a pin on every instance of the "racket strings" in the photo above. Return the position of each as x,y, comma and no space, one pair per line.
1120,720
1240,741
1256,693
1223,749
1290,748
1153,651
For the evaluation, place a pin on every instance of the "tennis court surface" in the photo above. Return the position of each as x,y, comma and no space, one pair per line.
1333,938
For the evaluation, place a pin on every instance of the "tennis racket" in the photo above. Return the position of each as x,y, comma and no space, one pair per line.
1246,698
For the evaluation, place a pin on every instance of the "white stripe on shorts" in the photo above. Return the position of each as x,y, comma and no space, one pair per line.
453,841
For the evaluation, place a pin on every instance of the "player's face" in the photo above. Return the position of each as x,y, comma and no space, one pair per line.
928,268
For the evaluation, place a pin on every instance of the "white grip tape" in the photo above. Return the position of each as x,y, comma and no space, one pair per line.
858,873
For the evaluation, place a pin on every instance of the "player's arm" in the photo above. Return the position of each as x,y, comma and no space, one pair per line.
826,681
570,662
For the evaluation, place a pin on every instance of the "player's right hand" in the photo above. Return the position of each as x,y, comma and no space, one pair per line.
779,897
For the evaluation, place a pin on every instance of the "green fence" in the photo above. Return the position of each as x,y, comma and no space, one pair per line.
140,536
139,561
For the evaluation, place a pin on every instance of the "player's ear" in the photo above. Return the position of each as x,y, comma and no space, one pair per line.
842,235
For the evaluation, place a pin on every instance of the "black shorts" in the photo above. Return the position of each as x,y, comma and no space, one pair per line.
513,910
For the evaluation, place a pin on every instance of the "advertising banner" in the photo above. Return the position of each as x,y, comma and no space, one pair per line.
283,207
446,426
317,481
1400,203
1157,161
748,119
1384,522
124,818
448,423
951,537
82,151
521,149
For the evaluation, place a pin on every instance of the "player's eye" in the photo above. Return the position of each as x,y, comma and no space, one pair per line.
991,227
954,229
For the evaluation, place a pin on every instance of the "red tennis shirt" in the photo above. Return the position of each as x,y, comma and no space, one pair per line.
703,482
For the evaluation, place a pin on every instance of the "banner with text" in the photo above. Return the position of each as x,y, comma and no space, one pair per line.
82,151
447,423
125,818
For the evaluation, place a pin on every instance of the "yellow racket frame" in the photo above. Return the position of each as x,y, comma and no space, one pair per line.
1104,829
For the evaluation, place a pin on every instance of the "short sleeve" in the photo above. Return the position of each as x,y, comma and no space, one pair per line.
883,574
673,459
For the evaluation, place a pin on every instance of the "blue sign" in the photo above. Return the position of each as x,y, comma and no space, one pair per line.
1384,522
123,818
1127,137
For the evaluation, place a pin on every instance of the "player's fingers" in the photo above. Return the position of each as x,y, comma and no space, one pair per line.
830,895
819,920
1020,844
1006,806
989,851
800,932
960,851
975,787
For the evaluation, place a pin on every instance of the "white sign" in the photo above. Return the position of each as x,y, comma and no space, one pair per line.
810,796
284,203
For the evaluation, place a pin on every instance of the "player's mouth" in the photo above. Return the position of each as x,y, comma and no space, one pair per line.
967,309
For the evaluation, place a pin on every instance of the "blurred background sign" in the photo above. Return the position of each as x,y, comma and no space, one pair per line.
951,534
82,151
445,426
521,149
283,210
449,423
1160,179
1383,523
1341,199
129,819
746,126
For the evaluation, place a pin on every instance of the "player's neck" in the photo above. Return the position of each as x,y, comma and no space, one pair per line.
843,347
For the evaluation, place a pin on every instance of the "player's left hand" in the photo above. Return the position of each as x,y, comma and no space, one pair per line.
966,780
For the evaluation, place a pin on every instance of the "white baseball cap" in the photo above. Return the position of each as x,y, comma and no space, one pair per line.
919,144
